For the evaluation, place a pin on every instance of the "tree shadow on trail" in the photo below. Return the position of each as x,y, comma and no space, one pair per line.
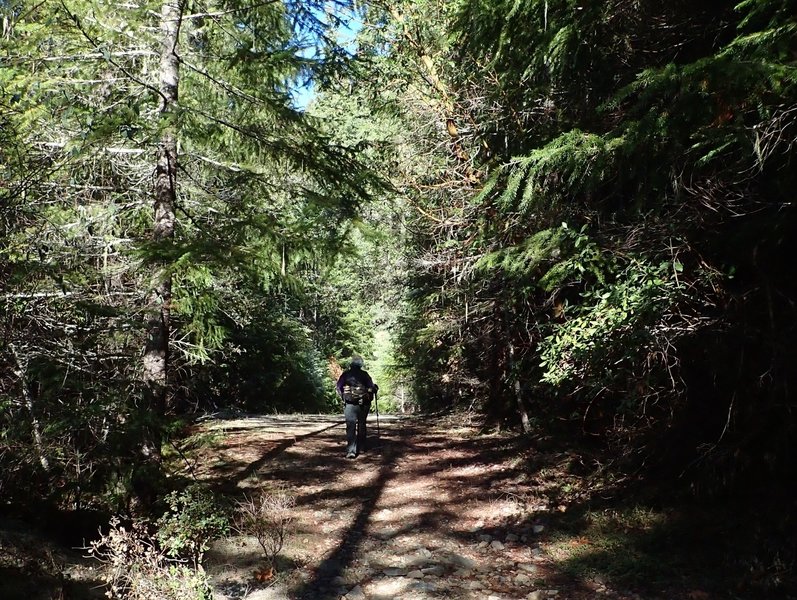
279,448
231,483
427,483
321,586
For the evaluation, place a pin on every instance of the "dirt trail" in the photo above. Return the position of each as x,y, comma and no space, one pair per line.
429,511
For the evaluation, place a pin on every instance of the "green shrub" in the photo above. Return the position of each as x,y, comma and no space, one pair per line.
194,518
139,569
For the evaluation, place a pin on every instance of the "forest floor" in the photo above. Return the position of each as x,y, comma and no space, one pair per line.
435,508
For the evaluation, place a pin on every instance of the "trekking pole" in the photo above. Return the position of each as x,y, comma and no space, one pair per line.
376,404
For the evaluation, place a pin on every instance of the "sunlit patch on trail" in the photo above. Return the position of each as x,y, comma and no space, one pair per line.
394,587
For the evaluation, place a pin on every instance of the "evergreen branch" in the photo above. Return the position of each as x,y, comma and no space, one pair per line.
222,13
20,59
427,214
235,91
253,135
775,135
108,149
229,166
107,56
32,295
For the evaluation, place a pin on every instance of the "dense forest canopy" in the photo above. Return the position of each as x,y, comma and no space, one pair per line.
171,227
572,218
602,226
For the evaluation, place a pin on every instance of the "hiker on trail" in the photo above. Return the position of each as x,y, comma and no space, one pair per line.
357,389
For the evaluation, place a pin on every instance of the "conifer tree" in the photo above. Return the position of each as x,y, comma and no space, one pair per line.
601,182
169,201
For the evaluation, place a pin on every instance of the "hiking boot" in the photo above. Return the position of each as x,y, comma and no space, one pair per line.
351,455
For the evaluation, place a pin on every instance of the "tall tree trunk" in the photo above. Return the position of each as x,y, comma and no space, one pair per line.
518,389
513,373
27,398
495,406
156,355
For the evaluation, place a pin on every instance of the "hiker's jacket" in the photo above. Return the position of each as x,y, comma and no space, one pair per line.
353,377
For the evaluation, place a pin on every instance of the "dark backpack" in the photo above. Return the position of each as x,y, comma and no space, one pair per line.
354,391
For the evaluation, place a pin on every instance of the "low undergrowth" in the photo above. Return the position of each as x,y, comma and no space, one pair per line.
718,548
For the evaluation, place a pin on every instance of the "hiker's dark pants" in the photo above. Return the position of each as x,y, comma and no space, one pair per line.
355,426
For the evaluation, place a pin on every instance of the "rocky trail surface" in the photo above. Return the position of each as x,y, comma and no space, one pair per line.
430,510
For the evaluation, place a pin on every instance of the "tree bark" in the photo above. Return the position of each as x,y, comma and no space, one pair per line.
518,390
156,354
27,398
